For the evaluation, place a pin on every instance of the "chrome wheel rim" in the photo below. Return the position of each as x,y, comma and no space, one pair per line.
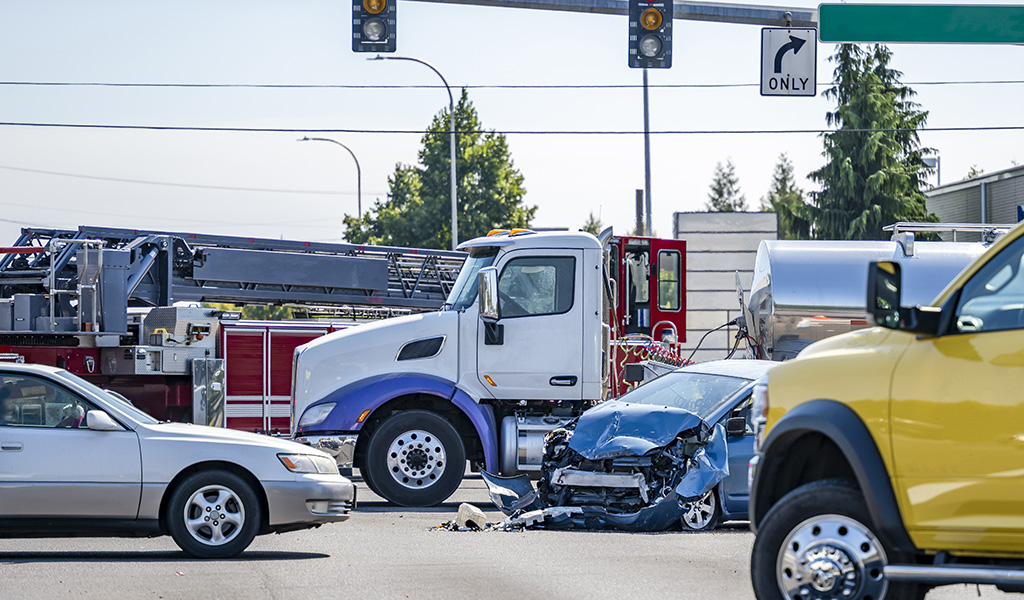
416,459
831,556
214,515
699,512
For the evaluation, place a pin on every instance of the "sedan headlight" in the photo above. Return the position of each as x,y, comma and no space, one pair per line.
315,415
308,463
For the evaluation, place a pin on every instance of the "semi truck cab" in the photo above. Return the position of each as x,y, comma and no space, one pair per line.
409,400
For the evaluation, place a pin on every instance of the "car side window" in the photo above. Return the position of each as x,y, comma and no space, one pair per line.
536,286
993,299
27,401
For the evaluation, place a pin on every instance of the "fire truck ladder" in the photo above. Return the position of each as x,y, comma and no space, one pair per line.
127,267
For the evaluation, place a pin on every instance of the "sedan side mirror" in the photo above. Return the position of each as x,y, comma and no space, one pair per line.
736,427
97,420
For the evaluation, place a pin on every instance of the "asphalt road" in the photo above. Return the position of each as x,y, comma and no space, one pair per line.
386,552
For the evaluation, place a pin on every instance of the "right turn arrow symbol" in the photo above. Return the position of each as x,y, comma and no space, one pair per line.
794,44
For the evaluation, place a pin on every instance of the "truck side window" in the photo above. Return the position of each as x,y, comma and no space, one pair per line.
536,286
669,273
993,299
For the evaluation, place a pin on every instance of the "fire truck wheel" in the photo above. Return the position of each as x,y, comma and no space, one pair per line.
416,458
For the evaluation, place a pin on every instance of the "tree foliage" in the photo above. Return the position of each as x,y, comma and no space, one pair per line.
418,210
787,201
725,193
593,224
874,169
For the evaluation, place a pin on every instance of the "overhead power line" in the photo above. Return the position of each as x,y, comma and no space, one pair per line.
582,86
503,132
174,184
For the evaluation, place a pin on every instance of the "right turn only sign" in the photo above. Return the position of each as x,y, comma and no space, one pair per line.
789,61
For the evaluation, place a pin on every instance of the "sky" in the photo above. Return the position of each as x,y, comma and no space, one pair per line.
267,184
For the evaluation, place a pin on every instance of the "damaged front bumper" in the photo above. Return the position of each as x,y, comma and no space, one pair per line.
620,466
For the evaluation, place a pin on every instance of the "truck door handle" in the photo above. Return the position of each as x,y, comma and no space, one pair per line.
10,446
563,380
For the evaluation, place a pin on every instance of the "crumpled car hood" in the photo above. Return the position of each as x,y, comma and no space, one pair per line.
620,434
615,429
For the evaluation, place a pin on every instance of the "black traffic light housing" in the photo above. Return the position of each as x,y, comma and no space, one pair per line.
373,25
650,34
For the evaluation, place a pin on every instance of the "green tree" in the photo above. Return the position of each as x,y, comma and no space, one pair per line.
593,224
725,193
258,312
875,171
417,212
787,201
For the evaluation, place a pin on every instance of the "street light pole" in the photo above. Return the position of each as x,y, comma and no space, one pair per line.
359,173
451,114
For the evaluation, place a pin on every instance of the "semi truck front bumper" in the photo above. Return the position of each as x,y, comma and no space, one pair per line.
341,446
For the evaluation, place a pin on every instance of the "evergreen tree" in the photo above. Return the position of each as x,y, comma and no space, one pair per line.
787,201
725,193
418,210
593,224
875,171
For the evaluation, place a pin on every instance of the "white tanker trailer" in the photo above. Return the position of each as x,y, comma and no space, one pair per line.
807,290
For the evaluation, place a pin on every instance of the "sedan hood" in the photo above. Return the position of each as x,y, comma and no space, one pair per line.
202,433
616,429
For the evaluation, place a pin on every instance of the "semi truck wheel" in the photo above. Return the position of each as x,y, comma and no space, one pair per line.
817,541
416,458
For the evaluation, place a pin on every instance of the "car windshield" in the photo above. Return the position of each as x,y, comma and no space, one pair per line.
118,403
699,393
463,293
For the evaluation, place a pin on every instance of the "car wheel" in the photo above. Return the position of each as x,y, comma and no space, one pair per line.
818,541
703,513
213,514
415,458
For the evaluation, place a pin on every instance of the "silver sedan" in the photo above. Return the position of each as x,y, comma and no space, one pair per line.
77,461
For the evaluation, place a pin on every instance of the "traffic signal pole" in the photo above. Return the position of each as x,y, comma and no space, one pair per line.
719,12
647,162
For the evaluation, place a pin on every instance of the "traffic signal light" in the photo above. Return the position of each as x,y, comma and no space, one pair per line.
650,34
373,25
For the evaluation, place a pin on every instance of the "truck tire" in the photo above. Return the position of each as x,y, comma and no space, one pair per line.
703,513
213,514
817,541
415,458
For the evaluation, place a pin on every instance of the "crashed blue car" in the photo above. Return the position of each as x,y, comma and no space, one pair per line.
672,451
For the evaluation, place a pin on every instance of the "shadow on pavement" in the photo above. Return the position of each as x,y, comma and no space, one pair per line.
147,557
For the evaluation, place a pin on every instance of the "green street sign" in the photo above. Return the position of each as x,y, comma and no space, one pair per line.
946,23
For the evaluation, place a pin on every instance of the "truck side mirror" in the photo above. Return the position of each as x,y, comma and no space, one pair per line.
884,296
488,285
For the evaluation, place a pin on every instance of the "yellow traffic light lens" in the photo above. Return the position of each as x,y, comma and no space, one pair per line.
375,7
650,19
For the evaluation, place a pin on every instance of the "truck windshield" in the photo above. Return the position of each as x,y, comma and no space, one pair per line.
463,293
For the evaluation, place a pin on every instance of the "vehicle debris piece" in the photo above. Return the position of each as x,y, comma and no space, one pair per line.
618,466
470,516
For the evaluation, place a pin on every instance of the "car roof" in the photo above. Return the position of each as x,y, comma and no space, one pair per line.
29,368
747,369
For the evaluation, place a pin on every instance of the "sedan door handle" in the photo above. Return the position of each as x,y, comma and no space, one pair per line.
10,446
563,380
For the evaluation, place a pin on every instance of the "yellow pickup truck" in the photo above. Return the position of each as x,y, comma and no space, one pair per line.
891,460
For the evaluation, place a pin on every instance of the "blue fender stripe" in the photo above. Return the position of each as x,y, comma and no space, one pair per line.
371,393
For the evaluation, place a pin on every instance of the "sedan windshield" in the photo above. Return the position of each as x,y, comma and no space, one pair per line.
699,393
119,403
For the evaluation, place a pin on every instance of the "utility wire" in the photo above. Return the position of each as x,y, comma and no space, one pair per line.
314,86
173,184
506,132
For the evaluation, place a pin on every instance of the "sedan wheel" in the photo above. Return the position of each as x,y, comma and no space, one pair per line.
213,514
703,513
